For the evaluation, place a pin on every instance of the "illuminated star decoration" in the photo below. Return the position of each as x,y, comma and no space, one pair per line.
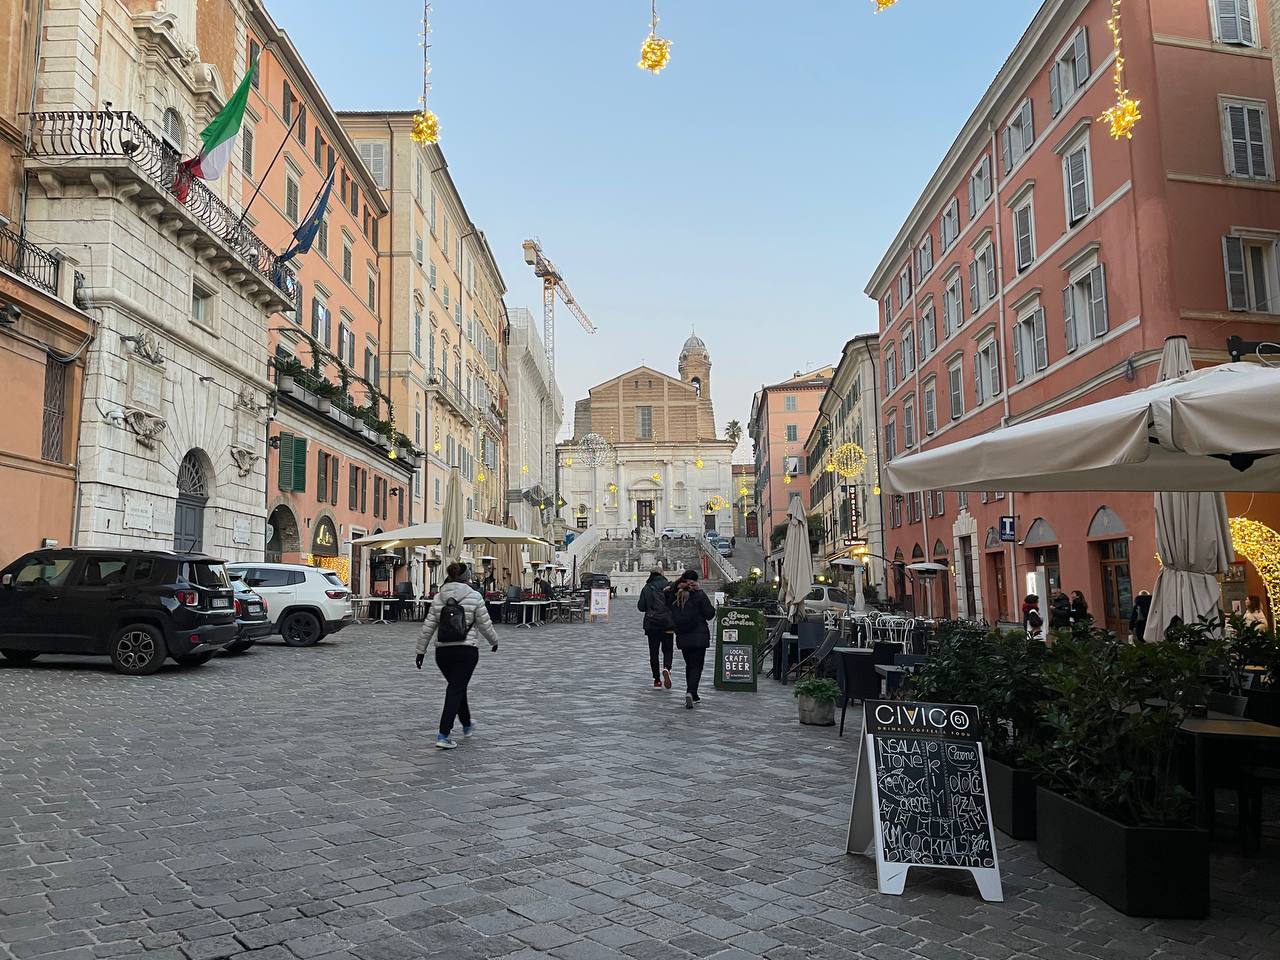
698,463
1122,116
884,4
426,126
655,52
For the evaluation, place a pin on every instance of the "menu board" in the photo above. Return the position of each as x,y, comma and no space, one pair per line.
920,796
739,633
600,604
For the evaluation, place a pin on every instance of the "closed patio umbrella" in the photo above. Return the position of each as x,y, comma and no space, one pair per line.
797,563
1193,538
453,521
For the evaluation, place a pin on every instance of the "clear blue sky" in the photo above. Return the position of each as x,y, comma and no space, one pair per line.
747,191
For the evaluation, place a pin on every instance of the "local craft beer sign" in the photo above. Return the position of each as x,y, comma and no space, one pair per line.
738,633
920,794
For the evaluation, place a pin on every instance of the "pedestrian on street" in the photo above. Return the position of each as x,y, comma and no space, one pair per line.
1031,621
690,611
455,611
658,626
1079,607
1253,612
1138,616
1060,612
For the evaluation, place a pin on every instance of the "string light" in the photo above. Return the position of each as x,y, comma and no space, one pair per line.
655,52
426,126
656,477
1124,113
1260,545
849,460
743,491
787,480
717,503
884,4
698,463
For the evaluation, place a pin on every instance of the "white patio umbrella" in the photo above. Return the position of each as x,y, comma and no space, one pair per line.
473,531
797,562
1181,434
1193,537
451,529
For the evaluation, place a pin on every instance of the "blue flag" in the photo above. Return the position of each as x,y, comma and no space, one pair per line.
305,235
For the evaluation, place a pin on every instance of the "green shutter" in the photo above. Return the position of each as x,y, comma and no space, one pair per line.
286,462
299,464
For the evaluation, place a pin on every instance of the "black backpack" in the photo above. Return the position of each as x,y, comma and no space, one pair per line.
453,622
657,615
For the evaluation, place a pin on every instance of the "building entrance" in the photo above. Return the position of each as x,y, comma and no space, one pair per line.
645,514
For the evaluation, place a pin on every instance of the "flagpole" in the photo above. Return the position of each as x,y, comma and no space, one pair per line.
287,134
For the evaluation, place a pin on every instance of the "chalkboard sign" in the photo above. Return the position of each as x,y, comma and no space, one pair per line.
920,794
739,633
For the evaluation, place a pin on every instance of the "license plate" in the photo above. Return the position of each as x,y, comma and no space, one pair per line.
220,602
254,607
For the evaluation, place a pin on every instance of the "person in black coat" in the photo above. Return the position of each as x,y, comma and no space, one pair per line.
1138,617
658,626
691,609
1060,612
1079,607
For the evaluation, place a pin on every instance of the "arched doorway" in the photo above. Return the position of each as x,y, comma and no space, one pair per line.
944,589
1109,542
282,536
193,495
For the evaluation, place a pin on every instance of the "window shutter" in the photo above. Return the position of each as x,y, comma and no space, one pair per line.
299,464
322,475
364,491
1019,371
1006,141
1077,185
1028,126
1041,344
1055,90
1069,317
986,178
1245,20
1257,131
977,378
1239,137
973,286
1237,286
333,480
1081,54
1228,21
973,196
989,259
1023,231
1098,301
285,464
246,156
995,369
353,487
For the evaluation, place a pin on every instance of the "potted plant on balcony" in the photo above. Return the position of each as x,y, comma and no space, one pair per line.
342,410
1002,675
325,394
1113,816
288,371
816,698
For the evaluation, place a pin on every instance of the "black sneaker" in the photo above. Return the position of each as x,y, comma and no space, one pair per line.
696,698
657,684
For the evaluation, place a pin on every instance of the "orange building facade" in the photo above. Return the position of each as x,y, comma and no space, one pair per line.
338,463
1046,263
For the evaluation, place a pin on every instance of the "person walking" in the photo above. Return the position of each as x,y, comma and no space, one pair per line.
1079,607
456,610
658,626
1031,621
1138,616
1060,612
690,611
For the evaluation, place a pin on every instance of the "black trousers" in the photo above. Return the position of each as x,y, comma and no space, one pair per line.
660,641
457,662
694,657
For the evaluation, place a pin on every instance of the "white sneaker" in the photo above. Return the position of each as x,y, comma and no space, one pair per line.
446,743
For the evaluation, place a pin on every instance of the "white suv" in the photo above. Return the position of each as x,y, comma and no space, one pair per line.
308,603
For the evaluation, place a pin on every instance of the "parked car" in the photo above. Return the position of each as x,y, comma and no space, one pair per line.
306,603
724,548
823,596
135,606
673,533
595,581
253,622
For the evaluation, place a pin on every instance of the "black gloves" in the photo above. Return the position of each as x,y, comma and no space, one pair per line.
494,648
418,659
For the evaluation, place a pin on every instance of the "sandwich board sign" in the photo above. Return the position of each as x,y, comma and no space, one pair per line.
920,794
600,603
739,633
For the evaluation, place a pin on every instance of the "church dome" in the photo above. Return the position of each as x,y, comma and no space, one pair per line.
693,345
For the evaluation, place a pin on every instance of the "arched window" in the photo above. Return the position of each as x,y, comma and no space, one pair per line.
191,477
697,386
1106,523
172,129
193,494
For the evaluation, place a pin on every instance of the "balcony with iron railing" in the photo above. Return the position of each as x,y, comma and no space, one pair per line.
24,259
452,394
88,144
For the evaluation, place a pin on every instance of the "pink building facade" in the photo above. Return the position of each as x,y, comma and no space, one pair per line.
1046,263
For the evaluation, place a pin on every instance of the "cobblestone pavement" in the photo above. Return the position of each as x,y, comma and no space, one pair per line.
290,804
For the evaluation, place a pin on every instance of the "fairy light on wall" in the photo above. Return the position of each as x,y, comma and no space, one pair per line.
1260,545
1121,116
849,460
426,126
655,52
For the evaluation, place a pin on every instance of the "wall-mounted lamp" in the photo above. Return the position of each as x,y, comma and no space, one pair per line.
274,443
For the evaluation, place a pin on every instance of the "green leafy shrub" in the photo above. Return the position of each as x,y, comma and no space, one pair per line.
820,689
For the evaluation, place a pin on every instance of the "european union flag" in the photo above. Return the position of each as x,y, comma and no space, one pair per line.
305,235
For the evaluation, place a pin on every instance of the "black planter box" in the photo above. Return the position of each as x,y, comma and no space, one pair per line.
1141,871
1012,793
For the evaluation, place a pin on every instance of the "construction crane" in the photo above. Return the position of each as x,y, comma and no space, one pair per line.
552,283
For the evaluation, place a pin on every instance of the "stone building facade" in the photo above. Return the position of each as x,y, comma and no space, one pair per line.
537,411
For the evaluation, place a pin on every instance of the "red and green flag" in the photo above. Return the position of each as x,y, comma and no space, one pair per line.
218,140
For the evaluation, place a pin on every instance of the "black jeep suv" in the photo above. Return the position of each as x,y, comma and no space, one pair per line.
135,606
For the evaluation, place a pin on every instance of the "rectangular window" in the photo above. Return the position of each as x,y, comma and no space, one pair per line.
353,487
949,225
318,148
346,260
417,333
286,105
322,237
1246,139
908,350
445,298
793,433
53,428
924,257
1084,308
1233,22
246,150
789,403
291,198
374,155
928,331
1075,181
292,467
255,54
431,282
890,369
1030,346
320,322
644,423
354,199
979,186
986,372
301,129
952,309
322,476
891,437
201,305
904,285
418,250
373,293
955,385
1251,271
888,308
1070,72
1024,236
437,489
1018,136
930,395
908,422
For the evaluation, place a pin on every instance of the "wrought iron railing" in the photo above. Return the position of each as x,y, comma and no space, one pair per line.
450,390
120,133
19,255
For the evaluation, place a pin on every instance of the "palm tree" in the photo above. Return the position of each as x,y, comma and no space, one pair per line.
733,432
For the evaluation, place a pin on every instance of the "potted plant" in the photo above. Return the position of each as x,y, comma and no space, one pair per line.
1246,645
817,701
1000,674
288,370
1109,771
325,393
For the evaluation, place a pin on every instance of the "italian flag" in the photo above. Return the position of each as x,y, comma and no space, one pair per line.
218,139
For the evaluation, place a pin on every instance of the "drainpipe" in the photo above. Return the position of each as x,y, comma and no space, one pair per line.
875,403
1003,353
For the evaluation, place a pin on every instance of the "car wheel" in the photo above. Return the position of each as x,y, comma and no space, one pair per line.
138,649
195,659
300,629
20,657
237,647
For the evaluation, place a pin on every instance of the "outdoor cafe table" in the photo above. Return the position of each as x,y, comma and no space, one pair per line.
382,609
535,609
1222,730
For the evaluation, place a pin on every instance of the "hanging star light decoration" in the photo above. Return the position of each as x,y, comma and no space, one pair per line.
655,52
1121,116
426,126
698,463
613,488
787,480
656,477
743,491
883,4
849,460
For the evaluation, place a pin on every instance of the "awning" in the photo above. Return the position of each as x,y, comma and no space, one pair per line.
428,535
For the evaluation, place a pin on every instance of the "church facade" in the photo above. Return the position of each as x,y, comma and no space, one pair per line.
645,453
